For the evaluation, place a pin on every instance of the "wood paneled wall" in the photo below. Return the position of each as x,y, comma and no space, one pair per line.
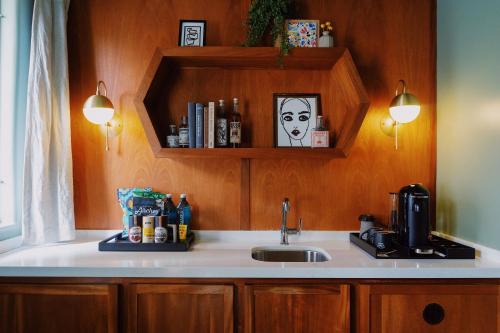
114,41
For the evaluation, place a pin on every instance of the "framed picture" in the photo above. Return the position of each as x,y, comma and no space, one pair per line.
302,33
295,118
192,33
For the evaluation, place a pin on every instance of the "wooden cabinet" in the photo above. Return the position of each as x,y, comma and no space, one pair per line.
31,305
181,308
428,308
297,308
72,308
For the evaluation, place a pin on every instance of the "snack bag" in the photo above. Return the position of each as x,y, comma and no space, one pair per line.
125,196
147,203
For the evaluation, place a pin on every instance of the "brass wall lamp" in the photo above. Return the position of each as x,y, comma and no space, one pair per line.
404,108
99,110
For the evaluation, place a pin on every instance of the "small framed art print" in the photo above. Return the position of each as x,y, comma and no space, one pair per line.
302,33
192,32
295,119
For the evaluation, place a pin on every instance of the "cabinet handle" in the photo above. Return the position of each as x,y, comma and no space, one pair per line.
433,313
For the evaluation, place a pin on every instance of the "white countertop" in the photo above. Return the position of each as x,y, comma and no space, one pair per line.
227,254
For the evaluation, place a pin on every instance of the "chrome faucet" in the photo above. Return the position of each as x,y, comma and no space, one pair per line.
285,231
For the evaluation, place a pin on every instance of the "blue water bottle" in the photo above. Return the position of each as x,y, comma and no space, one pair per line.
184,214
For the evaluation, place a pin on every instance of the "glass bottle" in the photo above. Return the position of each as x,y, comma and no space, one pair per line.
173,137
160,230
221,128
320,135
184,133
184,213
393,213
235,126
169,210
135,231
320,124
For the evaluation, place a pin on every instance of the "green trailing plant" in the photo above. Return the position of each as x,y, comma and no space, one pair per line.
268,16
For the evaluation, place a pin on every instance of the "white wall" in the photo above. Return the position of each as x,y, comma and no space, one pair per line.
468,122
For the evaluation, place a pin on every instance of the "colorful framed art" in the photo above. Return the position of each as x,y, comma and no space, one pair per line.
302,33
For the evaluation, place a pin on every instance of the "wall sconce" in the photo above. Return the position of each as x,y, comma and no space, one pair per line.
404,108
99,110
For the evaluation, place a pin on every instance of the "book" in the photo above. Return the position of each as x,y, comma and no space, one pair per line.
192,124
199,125
205,127
211,124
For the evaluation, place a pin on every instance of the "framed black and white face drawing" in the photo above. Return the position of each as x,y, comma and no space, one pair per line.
294,119
192,33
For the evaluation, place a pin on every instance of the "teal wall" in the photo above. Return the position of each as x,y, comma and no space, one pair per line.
468,121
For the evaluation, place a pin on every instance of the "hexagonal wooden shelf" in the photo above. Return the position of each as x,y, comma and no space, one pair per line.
178,75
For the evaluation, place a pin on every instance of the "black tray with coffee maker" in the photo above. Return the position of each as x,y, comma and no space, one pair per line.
442,249
412,238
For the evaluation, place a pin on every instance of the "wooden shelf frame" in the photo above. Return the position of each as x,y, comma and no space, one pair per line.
252,153
337,61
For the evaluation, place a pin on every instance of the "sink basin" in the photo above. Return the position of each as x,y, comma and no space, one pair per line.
290,254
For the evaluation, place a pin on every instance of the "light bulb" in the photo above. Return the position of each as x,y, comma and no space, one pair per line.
98,115
404,113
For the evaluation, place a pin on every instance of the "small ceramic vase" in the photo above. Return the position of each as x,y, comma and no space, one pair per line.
326,40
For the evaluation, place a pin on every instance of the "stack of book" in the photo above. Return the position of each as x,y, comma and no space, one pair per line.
201,121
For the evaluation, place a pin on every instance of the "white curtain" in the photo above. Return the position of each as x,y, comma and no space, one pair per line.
48,212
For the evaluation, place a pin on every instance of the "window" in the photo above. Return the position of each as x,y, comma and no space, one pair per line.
15,26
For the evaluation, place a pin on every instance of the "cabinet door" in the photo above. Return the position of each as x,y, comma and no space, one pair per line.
294,308
181,308
58,308
429,308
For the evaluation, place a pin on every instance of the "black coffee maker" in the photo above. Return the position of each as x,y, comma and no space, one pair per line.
414,223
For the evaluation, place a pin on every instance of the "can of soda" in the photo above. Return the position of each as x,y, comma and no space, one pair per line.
148,229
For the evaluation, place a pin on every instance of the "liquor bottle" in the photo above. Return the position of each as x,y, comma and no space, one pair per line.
235,126
221,131
320,135
184,213
184,133
173,137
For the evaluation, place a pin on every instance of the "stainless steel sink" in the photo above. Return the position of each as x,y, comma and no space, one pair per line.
290,254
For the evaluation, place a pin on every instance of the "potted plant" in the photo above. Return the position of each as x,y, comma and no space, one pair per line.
268,16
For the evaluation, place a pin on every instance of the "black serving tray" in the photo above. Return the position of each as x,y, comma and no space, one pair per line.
118,243
443,249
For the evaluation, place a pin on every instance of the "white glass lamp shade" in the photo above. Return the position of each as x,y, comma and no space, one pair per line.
98,109
404,108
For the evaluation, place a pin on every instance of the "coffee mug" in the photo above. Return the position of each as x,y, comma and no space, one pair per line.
371,234
366,223
382,239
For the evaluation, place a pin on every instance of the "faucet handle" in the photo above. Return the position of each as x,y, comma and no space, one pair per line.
295,231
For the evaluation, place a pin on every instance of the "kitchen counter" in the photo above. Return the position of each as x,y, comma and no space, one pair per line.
227,254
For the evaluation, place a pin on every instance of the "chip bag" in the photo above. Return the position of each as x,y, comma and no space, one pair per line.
125,199
147,203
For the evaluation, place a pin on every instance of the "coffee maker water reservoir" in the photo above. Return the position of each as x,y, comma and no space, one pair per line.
414,218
